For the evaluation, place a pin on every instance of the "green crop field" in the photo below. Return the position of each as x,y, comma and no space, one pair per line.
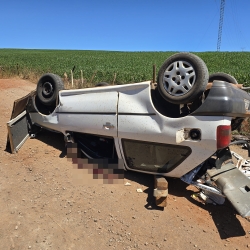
99,66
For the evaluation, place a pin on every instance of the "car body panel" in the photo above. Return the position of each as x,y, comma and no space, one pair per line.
97,110
139,120
94,113
166,134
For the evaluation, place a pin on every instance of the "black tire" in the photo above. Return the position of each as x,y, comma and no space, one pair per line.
220,76
101,84
182,78
48,88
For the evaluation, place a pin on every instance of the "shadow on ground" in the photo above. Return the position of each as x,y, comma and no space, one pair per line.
224,216
56,140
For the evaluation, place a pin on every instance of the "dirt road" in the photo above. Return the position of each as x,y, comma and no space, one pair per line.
42,207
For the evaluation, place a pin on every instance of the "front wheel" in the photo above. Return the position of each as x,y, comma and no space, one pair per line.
48,88
182,78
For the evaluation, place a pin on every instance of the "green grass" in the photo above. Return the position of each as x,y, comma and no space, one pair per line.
102,65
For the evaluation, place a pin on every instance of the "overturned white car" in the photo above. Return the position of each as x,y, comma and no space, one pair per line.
179,127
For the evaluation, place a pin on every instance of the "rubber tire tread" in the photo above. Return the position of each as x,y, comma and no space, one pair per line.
200,84
101,84
220,76
57,84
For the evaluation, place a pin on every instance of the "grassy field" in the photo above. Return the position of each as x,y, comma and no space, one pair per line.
99,66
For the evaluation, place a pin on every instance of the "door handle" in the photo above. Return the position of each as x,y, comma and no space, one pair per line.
108,126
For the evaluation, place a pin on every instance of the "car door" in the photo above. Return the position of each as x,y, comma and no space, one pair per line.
89,111
18,130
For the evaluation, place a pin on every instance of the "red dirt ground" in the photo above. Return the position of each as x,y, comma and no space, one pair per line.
42,207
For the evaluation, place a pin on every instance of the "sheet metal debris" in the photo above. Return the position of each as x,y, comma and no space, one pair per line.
242,164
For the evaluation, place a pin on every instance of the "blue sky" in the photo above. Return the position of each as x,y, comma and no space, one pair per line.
124,25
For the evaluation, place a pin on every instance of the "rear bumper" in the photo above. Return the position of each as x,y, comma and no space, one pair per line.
225,99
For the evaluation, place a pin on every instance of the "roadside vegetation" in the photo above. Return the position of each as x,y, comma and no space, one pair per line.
108,66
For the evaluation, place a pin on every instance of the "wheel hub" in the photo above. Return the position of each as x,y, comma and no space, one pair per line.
47,89
179,78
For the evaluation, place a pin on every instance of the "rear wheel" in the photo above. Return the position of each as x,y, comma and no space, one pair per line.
48,88
182,78
220,76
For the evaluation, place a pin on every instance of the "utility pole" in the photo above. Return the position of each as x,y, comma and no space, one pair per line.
222,6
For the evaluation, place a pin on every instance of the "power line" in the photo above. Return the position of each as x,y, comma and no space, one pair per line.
222,7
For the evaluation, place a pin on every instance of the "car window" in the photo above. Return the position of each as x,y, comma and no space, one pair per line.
153,157
96,146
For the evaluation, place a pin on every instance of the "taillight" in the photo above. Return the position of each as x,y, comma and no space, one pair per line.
223,136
